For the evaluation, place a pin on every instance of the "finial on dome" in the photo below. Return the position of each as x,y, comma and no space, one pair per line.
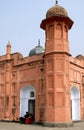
9,44
39,42
56,2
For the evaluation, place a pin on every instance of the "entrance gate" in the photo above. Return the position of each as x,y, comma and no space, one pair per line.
27,101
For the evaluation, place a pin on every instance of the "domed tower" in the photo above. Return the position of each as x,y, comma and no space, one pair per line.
56,26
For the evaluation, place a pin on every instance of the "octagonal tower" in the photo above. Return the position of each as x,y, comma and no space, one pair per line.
56,26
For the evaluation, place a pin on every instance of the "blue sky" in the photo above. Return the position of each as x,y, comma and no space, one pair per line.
20,24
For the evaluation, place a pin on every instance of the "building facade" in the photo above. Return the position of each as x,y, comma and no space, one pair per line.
47,83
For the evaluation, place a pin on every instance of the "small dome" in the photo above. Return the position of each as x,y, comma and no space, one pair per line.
37,50
56,11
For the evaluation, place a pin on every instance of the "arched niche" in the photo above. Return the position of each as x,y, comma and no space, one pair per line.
50,31
65,32
59,31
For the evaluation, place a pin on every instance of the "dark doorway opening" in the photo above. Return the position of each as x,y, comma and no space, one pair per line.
31,107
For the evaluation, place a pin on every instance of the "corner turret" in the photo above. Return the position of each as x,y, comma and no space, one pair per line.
8,50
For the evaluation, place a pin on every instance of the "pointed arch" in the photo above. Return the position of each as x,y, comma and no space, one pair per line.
65,32
75,94
59,33
75,103
50,31
27,100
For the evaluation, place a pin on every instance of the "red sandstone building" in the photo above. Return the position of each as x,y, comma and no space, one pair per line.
48,83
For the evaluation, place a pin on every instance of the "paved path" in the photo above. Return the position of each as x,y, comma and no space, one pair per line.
17,126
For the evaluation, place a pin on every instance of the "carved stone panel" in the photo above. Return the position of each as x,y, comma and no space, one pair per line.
60,82
50,65
50,82
51,99
59,99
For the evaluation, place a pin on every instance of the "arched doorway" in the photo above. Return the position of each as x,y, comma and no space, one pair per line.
75,104
27,100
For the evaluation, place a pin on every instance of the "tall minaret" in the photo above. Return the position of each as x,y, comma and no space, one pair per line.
7,111
56,26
